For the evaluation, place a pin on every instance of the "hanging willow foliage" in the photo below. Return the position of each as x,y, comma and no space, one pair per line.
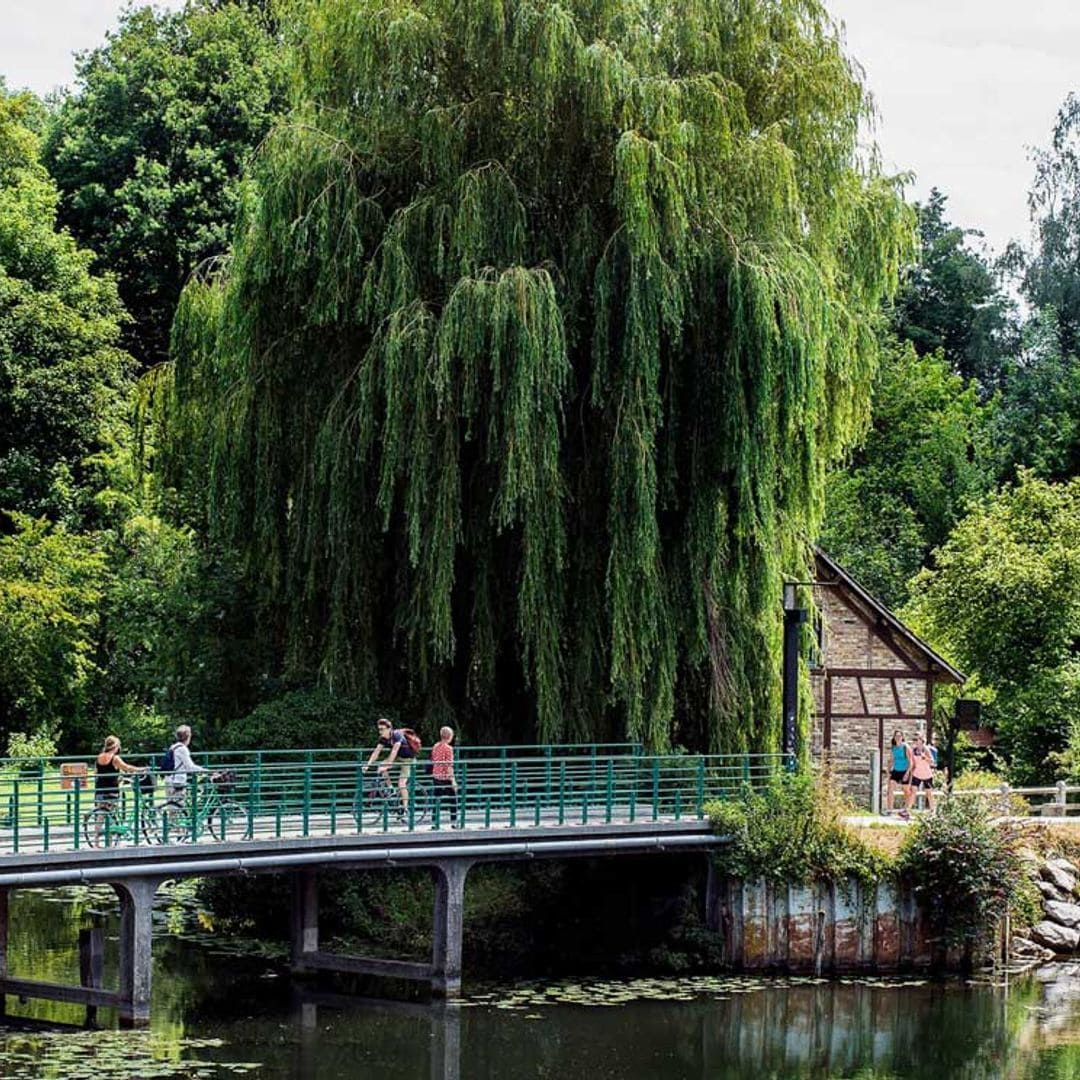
542,323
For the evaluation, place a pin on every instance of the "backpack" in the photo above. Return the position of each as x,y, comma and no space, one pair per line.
412,739
167,763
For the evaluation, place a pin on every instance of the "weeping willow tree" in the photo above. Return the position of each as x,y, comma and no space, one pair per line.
542,322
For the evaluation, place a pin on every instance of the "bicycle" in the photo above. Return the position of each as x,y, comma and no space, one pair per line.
131,812
381,803
209,805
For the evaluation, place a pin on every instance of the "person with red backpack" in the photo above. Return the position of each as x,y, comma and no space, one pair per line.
404,744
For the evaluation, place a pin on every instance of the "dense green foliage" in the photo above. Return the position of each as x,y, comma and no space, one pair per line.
304,718
792,832
965,869
148,152
62,374
1002,601
51,583
952,302
540,328
1051,272
930,452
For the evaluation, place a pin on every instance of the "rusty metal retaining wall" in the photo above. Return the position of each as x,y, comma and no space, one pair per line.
820,929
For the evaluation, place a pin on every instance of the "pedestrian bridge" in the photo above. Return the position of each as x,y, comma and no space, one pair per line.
298,812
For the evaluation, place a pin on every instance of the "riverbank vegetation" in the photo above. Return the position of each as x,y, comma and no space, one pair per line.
962,863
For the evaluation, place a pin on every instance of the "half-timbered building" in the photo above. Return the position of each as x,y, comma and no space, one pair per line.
871,675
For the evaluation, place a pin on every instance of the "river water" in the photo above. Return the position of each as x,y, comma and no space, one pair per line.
226,1007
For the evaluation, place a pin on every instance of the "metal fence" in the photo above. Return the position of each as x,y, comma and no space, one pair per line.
50,806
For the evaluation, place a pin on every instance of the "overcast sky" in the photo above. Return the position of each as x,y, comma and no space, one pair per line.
964,87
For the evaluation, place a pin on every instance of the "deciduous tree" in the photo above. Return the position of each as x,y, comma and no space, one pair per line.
540,327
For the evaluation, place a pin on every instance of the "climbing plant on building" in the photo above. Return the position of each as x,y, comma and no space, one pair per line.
541,324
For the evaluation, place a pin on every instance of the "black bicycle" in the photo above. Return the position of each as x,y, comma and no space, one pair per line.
380,803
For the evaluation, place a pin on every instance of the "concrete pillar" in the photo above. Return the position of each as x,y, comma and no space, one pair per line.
3,943
305,916
446,940
136,937
446,1041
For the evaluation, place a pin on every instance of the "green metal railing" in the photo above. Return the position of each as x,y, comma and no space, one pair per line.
316,792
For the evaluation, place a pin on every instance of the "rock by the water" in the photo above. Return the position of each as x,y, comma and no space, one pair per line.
1026,949
1059,877
1065,914
1064,865
1051,891
1059,938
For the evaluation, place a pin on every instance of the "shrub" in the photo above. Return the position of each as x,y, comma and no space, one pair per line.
793,831
965,869
311,717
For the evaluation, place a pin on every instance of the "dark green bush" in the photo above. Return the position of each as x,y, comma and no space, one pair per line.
309,717
793,831
965,869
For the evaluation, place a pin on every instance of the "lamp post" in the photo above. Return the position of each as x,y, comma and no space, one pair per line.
794,617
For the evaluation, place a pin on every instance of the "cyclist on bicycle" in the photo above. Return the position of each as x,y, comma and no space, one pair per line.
401,752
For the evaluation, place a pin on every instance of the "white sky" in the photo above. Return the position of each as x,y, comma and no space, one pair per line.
964,87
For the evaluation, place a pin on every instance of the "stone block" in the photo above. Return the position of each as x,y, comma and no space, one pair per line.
1064,914
1061,939
1059,877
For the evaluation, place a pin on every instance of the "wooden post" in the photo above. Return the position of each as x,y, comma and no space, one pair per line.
91,964
875,782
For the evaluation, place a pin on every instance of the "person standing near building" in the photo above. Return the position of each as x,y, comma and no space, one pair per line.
899,771
443,780
922,773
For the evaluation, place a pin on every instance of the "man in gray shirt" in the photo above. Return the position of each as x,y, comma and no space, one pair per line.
176,781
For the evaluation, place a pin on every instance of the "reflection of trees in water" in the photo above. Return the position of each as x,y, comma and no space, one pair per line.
865,1031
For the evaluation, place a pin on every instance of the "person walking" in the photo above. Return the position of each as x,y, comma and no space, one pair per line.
899,771
443,780
109,766
176,778
922,773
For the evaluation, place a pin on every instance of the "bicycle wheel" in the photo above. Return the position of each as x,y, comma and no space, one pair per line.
100,826
229,820
152,825
381,808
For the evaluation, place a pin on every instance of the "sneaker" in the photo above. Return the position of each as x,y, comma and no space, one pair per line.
905,815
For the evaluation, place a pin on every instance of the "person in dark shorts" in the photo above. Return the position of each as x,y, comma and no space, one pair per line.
922,773
899,771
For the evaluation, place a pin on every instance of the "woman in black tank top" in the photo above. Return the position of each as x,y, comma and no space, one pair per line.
109,767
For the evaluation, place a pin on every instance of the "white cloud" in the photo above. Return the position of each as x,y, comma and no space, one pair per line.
965,88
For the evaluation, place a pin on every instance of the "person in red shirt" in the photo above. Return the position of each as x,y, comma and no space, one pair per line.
443,780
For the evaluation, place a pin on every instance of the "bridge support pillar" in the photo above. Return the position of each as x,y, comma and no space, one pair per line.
305,918
448,927
3,944
136,937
